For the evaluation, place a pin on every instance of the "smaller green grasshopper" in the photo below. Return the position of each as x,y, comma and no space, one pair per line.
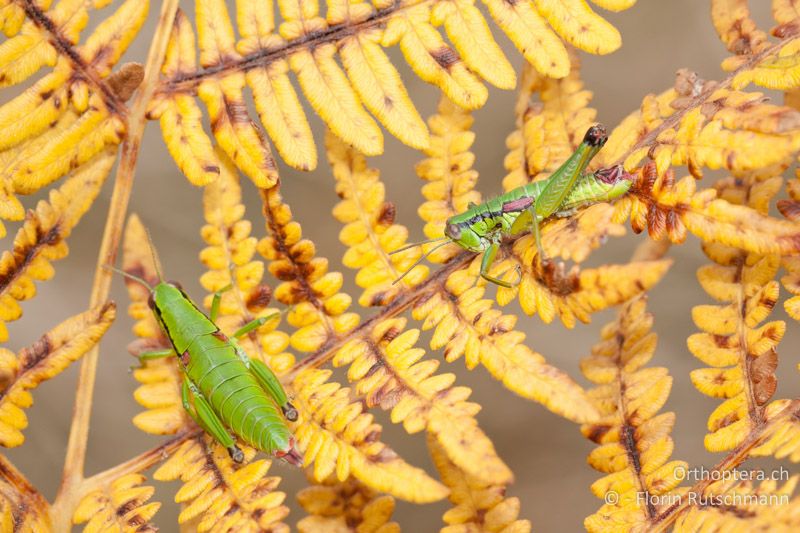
222,386
482,228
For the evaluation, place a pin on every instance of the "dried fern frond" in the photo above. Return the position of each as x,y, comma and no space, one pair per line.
370,232
318,308
223,495
449,173
467,324
345,506
120,506
740,350
75,112
635,442
668,208
705,124
339,437
744,506
357,32
479,506
46,358
160,389
388,371
42,238
229,258
22,507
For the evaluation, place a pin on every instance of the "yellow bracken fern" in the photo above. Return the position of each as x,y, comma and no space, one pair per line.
69,122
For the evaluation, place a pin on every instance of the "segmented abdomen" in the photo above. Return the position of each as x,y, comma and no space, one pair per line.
235,395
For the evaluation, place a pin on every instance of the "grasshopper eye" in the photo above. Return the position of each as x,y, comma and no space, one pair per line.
453,231
151,301
177,285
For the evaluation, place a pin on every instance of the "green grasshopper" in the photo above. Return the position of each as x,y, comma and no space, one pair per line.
222,386
481,228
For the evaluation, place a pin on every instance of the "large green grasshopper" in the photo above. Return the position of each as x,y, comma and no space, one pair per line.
481,228
222,387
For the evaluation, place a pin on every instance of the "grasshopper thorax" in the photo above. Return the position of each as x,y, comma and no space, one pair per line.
163,293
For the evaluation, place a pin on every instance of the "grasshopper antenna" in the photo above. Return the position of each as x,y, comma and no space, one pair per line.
153,255
129,276
424,256
414,244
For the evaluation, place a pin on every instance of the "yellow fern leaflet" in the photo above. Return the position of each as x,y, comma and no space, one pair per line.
42,238
74,115
668,208
159,392
478,505
387,369
340,438
370,232
732,129
466,324
220,494
449,173
357,32
634,441
319,309
48,357
21,505
580,26
548,131
341,506
575,295
741,352
121,506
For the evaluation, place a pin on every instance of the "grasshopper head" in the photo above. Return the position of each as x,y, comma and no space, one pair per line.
463,235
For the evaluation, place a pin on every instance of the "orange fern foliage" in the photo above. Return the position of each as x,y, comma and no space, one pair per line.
343,362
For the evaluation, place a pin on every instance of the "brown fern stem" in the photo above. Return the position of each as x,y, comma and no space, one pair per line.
736,457
73,473
141,462
404,300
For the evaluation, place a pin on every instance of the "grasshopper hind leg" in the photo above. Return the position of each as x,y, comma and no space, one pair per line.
270,383
205,417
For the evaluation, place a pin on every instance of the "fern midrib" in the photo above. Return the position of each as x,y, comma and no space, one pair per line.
28,254
627,430
403,301
265,57
311,297
65,48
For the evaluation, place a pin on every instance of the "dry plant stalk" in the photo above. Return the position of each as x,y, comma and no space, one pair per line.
68,124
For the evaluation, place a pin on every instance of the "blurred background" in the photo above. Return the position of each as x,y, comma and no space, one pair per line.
546,453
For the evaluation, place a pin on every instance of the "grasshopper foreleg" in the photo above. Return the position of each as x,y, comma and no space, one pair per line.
253,324
156,354
486,264
206,418
216,301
